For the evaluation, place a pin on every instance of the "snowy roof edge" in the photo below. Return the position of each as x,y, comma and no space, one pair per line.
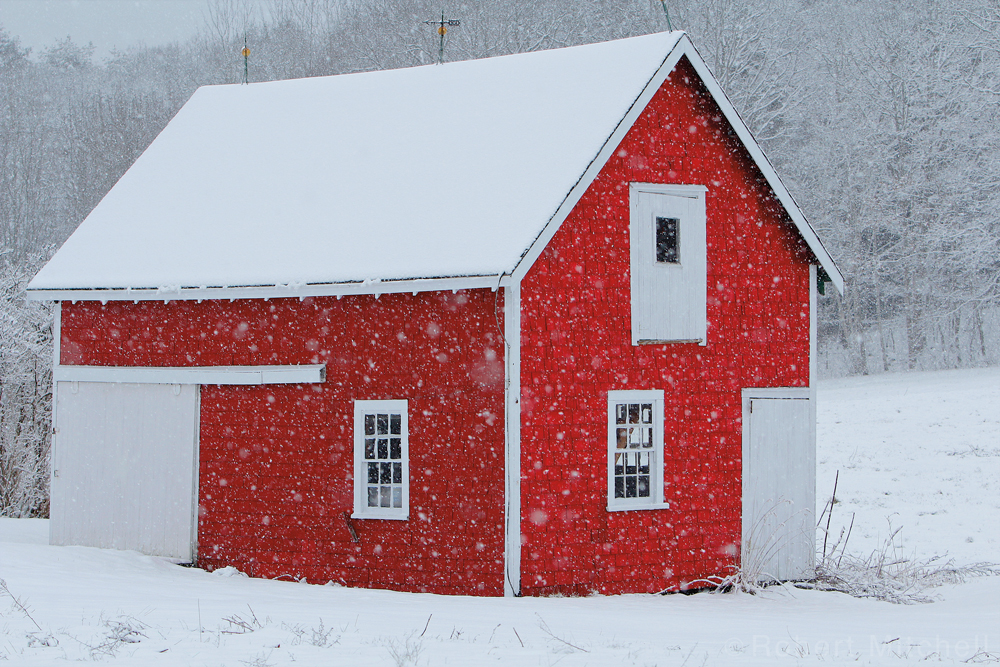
683,47
199,293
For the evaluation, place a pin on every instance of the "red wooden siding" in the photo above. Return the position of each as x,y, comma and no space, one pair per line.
576,346
276,461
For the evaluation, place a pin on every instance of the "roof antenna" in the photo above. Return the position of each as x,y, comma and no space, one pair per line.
667,14
246,61
442,30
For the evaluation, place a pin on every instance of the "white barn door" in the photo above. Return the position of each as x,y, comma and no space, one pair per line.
779,484
124,467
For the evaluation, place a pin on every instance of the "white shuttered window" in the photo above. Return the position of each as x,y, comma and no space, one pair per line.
668,263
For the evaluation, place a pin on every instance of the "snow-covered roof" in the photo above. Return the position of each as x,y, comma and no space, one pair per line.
443,175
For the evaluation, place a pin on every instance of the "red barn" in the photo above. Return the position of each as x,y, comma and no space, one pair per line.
542,323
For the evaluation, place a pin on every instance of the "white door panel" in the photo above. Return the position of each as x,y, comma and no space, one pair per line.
125,466
779,488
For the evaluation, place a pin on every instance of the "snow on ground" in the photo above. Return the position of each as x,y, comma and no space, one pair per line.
921,450
930,440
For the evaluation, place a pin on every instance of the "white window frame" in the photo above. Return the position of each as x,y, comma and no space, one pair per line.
361,508
655,499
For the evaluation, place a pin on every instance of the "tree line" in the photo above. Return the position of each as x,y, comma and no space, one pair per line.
881,117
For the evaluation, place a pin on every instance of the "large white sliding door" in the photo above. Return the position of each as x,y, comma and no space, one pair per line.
124,473
779,484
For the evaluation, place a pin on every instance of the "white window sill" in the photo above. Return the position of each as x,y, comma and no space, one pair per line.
393,517
629,508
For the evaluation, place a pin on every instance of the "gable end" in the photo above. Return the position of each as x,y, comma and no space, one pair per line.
685,49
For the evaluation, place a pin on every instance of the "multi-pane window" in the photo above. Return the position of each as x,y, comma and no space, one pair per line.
381,474
635,449
668,240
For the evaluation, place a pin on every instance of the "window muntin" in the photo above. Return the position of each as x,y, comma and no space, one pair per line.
635,449
668,240
381,462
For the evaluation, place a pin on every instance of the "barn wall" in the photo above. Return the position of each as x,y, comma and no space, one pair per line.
276,461
576,346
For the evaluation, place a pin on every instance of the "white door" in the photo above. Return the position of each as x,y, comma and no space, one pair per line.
668,261
779,487
125,467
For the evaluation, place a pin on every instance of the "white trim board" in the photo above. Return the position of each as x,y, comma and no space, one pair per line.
689,191
775,392
376,288
219,375
512,441
684,47
56,358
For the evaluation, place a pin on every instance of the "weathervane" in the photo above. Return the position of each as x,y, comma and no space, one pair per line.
246,61
442,30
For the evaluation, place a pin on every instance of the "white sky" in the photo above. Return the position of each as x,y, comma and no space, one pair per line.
108,24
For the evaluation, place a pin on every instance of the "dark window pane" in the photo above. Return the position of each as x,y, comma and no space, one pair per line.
668,240
386,476
619,487
643,486
622,438
647,437
630,465
395,448
372,496
647,413
395,424
373,473
644,464
369,424
383,424
369,448
383,496
397,497
397,473
630,487
633,413
620,413
383,448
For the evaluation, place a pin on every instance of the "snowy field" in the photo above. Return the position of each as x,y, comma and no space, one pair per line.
921,451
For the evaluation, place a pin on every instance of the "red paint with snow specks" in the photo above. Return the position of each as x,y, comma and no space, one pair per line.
275,473
576,346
